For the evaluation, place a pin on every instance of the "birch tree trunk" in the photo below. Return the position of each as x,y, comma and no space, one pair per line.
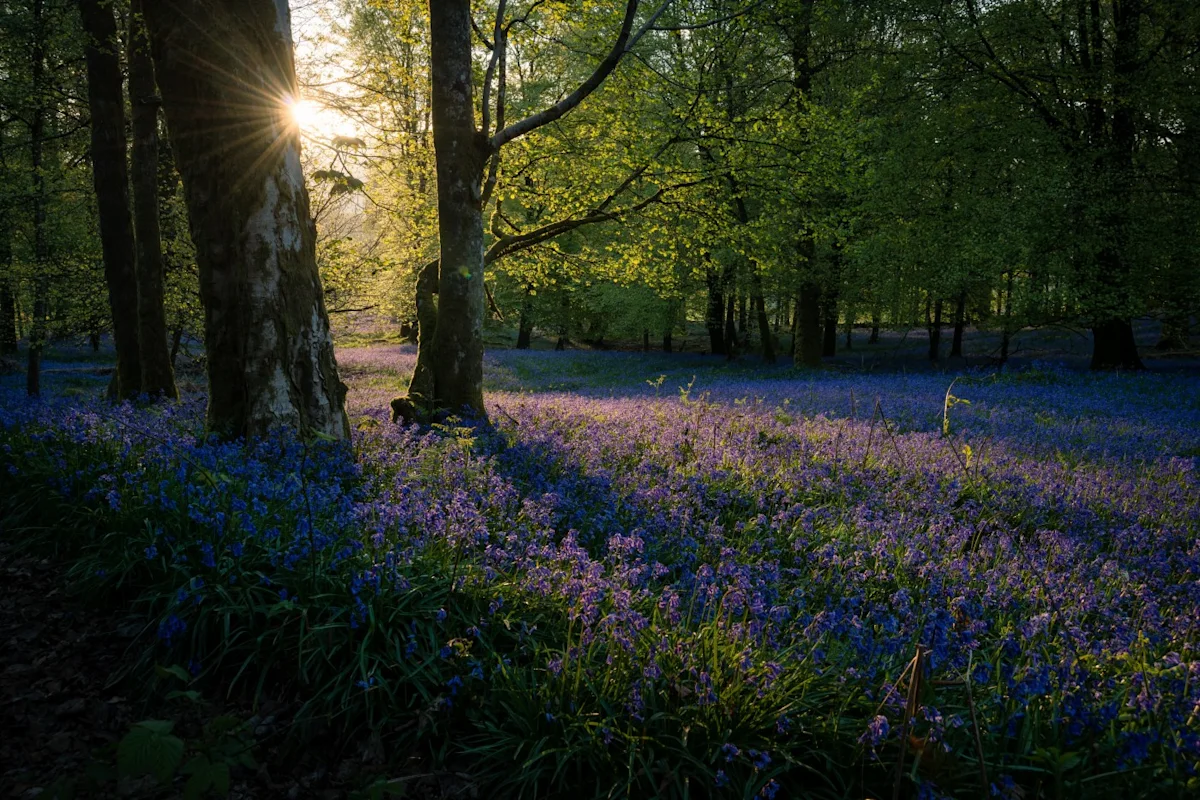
226,72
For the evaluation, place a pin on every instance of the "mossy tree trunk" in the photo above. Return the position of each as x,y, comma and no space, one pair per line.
461,155
226,72
110,174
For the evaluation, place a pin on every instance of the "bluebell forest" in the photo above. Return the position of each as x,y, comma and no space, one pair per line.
629,399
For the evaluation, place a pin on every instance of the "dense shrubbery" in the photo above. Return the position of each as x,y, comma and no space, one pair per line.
679,593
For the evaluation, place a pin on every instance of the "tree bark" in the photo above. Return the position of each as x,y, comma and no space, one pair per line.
830,312
41,250
110,175
226,73
421,385
731,340
764,323
524,330
8,300
158,378
960,315
461,153
809,340
1006,329
176,342
1114,144
875,320
715,314
935,330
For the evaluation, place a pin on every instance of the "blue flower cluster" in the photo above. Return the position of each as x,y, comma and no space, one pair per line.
717,554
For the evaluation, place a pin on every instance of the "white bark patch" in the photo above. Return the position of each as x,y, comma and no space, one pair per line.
260,234
292,174
318,343
275,401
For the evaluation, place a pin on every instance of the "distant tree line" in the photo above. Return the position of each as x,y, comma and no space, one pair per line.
779,171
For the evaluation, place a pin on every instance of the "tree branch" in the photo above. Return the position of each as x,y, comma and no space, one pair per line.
605,68
485,96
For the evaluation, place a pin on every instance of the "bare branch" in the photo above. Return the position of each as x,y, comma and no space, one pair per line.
512,244
708,23
479,32
489,184
649,26
485,100
556,111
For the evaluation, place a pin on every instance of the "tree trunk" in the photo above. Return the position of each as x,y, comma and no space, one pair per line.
525,328
960,315
8,300
715,314
176,341
1006,325
667,346
226,73
743,316
41,251
764,324
829,340
731,340
808,325
461,155
421,385
875,318
158,378
564,324
110,176
1113,345
935,331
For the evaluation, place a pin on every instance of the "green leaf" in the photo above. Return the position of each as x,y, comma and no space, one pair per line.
201,779
220,778
223,724
173,671
159,726
150,749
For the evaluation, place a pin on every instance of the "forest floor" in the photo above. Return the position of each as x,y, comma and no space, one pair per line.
1063,451
68,699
